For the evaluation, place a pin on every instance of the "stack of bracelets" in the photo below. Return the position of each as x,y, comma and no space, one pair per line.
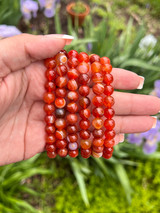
71,115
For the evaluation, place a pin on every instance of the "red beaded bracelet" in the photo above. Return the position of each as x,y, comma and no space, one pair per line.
67,91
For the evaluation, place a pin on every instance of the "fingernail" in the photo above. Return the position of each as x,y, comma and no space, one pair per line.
154,122
67,38
121,138
141,83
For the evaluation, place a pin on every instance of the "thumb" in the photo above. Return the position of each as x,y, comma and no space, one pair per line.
19,51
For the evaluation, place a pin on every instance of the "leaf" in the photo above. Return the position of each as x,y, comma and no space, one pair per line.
80,179
123,178
57,21
135,44
139,63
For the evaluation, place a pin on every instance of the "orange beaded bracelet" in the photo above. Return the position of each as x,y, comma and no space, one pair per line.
67,95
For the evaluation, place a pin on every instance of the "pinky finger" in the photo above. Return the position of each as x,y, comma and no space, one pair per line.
119,138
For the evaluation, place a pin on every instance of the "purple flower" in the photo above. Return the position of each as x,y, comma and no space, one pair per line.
149,148
147,139
8,31
29,7
49,7
89,46
157,88
135,139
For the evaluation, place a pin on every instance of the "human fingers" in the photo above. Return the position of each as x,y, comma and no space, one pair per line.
126,80
135,104
134,124
19,51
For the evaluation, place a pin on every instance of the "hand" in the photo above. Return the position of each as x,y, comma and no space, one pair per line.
22,81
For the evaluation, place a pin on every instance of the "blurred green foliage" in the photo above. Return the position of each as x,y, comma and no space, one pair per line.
10,12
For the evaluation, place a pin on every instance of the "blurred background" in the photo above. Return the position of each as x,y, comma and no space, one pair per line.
128,33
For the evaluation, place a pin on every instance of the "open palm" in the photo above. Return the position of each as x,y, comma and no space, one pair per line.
21,97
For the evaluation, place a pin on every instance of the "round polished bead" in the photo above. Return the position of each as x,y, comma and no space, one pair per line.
49,119
84,90
109,124
61,92
95,67
97,77
107,150
83,67
72,73
73,146
61,70
98,112
106,68
60,102
50,129
84,134
109,134
84,113
84,102
98,149
86,153
73,153
72,96
50,139
52,154
73,53
108,90
83,57
109,101
98,142
72,107
109,113
62,152
50,86
107,156
61,82
71,129
72,85
97,101
85,144
84,79
72,118
61,58
60,123
98,88
61,144
108,79
60,113
72,138
73,62
50,63
49,109
49,97
64,51
50,74
50,147
84,124
105,60
97,123
109,143
94,58
98,133
97,154
60,134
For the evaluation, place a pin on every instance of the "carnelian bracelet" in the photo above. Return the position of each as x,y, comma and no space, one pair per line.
69,78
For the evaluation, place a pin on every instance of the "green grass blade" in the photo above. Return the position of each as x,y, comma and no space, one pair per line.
80,180
141,64
124,180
